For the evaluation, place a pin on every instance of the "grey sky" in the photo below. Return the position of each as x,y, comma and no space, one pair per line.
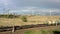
21,4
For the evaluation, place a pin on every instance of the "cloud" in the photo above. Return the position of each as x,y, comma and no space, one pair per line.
55,0
45,0
35,9
30,3
5,2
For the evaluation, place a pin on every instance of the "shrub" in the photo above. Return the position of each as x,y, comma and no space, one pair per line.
12,16
9,16
46,23
24,18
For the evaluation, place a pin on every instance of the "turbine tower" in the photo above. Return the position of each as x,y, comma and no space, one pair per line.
50,12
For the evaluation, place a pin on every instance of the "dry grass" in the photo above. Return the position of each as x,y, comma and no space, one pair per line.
31,20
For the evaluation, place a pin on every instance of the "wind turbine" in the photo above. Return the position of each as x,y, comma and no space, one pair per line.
50,12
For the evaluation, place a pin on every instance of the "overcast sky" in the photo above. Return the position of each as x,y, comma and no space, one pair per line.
27,5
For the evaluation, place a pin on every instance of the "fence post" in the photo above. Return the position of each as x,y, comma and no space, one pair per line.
56,23
13,30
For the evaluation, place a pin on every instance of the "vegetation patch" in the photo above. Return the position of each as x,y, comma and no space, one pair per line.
24,18
29,32
42,32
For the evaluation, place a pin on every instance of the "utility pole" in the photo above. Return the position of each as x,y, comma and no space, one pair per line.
56,23
13,29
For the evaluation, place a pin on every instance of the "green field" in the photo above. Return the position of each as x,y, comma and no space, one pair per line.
42,31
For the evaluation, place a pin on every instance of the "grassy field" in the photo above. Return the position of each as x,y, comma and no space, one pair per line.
30,20
42,32
38,32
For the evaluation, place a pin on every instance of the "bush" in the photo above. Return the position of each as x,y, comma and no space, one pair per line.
46,23
24,18
13,16
9,16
